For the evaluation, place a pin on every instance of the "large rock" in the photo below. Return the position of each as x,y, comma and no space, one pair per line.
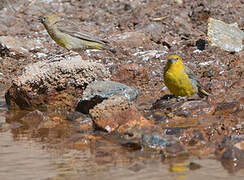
131,74
226,36
132,39
59,80
118,114
154,29
20,46
227,108
97,91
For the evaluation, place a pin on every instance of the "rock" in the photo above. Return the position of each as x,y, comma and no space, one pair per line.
57,80
194,108
81,122
143,33
154,141
163,103
227,108
226,36
179,2
20,45
118,114
132,39
173,131
197,138
158,116
15,26
186,109
232,158
182,23
131,74
236,138
106,89
153,29
105,114
75,115
97,91
199,13
150,54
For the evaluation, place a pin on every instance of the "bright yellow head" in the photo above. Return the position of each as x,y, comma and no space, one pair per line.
48,19
174,61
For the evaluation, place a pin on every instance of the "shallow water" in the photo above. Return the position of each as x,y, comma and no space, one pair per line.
26,158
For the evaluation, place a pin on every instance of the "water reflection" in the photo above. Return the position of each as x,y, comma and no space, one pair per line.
59,152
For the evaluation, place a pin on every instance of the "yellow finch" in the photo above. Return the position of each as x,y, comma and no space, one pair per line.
180,80
70,36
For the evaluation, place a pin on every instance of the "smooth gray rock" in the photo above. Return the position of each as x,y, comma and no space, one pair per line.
226,36
106,89
97,91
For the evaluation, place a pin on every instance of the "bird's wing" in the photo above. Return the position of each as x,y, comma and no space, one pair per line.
192,76
73,30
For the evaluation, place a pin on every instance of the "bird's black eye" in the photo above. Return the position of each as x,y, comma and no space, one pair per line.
41,19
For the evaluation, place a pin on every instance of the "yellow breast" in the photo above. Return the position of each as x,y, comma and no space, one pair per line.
178,82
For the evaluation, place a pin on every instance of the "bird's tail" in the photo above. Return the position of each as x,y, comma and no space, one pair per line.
109,48
202,93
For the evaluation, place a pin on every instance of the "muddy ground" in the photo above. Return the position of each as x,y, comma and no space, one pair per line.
143,33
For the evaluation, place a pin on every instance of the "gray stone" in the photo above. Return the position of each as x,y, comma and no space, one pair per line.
97,91
226,36
106,89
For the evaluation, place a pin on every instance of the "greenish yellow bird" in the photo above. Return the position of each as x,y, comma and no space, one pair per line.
180,79
70,36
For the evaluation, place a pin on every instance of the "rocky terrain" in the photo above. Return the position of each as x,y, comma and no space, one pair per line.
103,99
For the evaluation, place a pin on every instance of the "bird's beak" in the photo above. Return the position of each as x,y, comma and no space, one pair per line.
41,19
